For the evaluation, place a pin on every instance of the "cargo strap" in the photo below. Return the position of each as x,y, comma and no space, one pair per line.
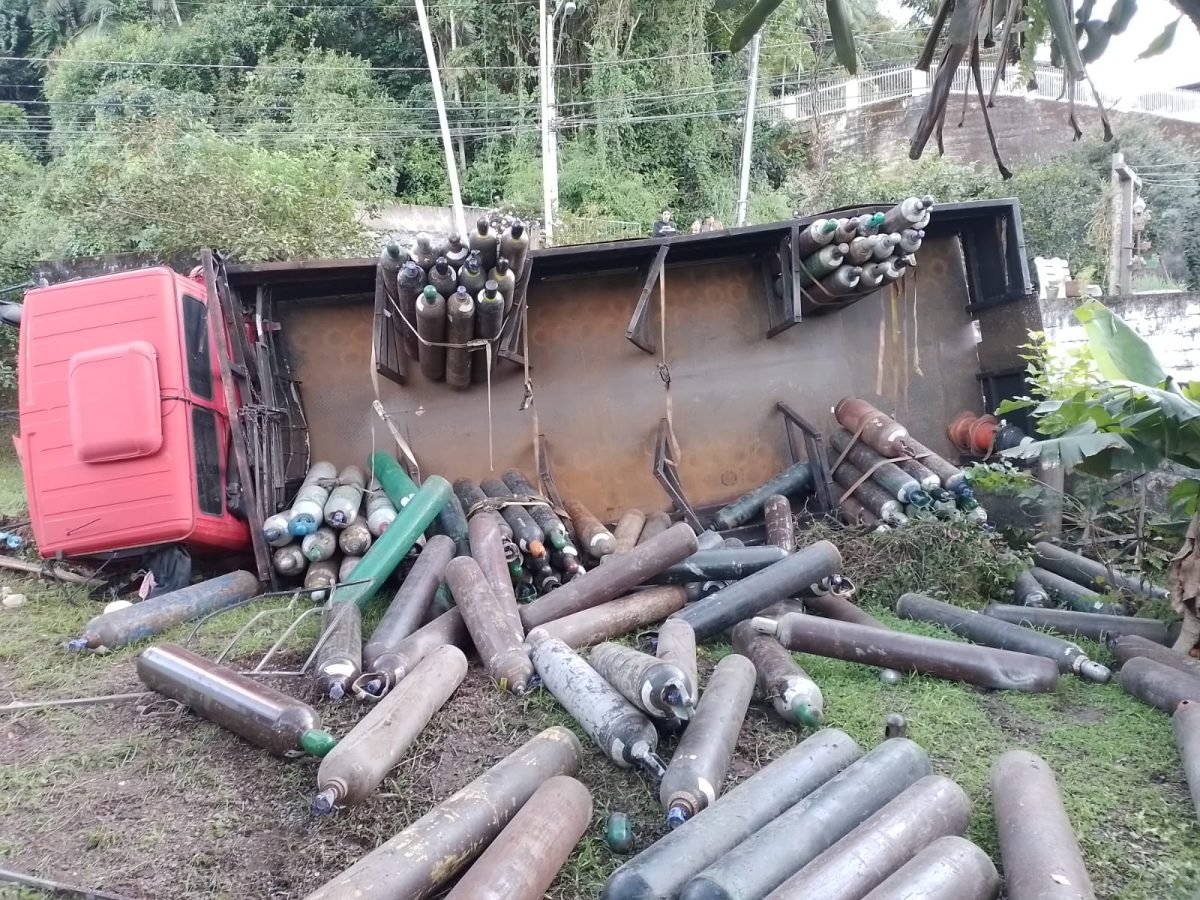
871,471
664,370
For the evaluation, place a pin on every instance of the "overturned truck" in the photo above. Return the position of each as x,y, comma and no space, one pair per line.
668,374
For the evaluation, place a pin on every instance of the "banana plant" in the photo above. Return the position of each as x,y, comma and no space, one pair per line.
1132,420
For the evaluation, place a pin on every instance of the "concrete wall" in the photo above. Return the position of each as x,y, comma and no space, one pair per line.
1028,131
1170,323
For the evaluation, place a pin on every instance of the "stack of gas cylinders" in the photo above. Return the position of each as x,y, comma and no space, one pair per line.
887,478
449,291
844,259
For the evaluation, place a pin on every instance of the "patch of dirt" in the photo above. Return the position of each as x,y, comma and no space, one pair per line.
1024,731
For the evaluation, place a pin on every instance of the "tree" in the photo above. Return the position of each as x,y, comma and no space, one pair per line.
1132,420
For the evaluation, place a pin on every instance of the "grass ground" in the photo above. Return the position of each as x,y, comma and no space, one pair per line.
148,801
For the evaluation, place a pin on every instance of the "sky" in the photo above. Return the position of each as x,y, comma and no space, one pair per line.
1118,70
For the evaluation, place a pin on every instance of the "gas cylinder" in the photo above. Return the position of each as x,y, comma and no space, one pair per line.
859,250
410,284
514,246
614,577
487,549
275,530
308,509
1075,596
452,522
320,575
381,512
656,687
1091,573
656,524
910,240
456,251
597,540
881,504
781,529
407,610
617,727
319,545
885,246
423,252
879,432
1158,685
346,497
472,275
460,312
847,230
872,275
869,225
289,560
442,277
1041,855
522,862
529,536
618,617
483,240
676,644
1093,626
816,235
629,528
362,759
992,632
395,662
742,599
355,539
154,616
431,326
841,282
908,213
250,709
489,320
795,480
700,762
500,647
347,567
339,658
984,666
425,856
794,696
506,282
821,263
1185,723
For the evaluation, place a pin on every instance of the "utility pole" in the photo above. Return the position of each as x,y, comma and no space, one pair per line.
549,162
462,146
460,222
1120,269
748,137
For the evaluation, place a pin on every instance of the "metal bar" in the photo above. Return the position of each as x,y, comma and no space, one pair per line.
638,330
510,345
8,876
262,556
546,473
814,448
668,476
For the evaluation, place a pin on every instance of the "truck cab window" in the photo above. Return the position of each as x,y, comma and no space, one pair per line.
209,492
196,342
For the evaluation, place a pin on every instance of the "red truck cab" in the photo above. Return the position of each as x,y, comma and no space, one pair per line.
124,435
